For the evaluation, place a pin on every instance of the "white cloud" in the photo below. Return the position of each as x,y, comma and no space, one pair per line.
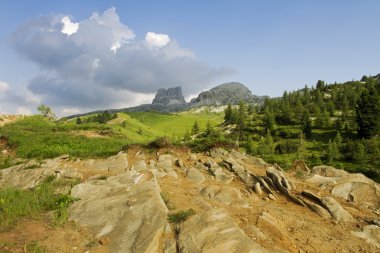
3,86
102,65
156,39
69,27
24,111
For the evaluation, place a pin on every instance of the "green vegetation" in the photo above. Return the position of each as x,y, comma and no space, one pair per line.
16,203
37,137
34,247
336,124
180,216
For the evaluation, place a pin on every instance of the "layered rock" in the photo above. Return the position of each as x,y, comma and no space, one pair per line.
127,208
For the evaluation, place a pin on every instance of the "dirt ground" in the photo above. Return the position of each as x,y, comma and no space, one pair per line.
303,230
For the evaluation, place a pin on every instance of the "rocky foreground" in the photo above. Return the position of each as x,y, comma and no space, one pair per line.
239,203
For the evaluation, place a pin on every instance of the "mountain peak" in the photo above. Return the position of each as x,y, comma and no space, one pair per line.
170,96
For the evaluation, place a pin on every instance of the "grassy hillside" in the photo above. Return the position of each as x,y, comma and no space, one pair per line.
37,137
176,125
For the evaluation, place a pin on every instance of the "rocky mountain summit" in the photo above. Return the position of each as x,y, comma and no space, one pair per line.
227,93
171,96
177,201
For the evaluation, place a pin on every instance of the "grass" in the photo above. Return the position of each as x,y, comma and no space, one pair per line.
176,125
34,247
180,216
16,204
36,137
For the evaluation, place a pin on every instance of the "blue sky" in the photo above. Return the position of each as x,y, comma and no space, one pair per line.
270,46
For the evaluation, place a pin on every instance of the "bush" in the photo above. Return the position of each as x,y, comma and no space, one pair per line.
161,142
287,147
206,144
180,216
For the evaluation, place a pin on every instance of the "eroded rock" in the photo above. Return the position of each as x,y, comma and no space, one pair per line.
127,208
214,231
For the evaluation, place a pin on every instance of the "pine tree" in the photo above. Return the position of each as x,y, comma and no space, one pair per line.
332,152
368,113
195,129
306,124
269,121
228,114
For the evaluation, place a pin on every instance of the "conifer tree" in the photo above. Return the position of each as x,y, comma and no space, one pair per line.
368,113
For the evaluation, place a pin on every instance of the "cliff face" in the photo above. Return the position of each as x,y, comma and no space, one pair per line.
171,96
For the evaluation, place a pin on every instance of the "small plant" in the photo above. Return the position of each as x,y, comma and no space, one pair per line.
180,216
34,247
103,177
167,201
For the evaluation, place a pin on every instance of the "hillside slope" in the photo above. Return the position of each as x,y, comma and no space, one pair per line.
178,201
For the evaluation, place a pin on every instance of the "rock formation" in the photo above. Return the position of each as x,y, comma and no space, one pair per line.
238,203
171,96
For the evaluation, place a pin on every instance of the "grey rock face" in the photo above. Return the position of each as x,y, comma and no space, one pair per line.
169,96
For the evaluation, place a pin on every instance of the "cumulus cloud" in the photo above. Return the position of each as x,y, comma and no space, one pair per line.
68,26
156,39
97,63
3,86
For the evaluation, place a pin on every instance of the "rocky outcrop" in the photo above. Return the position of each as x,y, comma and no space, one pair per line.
214,231
370,233
170,96
336,210
126,208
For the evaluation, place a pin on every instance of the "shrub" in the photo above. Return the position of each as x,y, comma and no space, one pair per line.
161,142
180,216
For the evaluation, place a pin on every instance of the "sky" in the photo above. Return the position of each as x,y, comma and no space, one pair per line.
77,56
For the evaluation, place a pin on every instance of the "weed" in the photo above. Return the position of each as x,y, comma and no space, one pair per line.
180,216
34,247
16,203
103,177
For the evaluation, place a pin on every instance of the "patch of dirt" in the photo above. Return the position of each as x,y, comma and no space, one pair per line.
91,134
69,238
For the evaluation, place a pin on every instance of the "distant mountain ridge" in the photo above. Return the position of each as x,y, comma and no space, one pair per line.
172,99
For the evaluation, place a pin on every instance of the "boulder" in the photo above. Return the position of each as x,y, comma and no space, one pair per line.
209,191
318,209
195,176
228,195
214,231
336,210
370,233
328,171
275,230
116,164
243,174
127,208
361,192
301,166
